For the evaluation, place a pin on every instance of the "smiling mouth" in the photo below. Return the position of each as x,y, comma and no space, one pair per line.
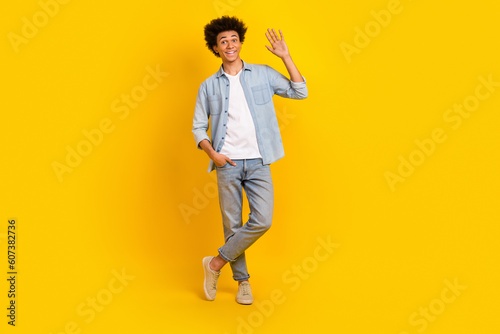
230,52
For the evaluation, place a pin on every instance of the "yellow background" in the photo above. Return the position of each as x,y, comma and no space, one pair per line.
120,208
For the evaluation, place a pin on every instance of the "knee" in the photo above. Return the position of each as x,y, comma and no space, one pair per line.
260,221
265,224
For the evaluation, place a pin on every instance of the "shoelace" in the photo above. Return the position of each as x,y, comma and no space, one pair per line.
214,281
245,289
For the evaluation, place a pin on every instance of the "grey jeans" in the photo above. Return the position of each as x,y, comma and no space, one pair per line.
255,177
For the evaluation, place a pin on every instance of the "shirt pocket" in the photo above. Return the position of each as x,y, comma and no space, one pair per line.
215,104
261,94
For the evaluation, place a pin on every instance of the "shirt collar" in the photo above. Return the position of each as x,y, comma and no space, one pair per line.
245,67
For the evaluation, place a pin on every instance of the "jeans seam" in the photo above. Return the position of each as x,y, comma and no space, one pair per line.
224,257
241,279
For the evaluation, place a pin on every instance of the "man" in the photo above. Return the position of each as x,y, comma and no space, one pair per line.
245,140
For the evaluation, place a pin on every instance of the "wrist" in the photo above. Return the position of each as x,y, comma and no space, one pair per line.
212,154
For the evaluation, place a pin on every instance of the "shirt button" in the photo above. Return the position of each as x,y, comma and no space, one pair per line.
226,97
225,111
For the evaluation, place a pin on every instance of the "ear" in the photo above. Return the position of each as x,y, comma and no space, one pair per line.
215,49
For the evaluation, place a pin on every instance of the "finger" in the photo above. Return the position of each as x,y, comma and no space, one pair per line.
269,48
231,162
269,39
281,34
275,35
271,35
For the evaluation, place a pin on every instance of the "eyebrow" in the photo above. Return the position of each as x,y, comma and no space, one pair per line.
226,37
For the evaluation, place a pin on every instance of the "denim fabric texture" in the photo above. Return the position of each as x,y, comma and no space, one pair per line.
260,83
255,177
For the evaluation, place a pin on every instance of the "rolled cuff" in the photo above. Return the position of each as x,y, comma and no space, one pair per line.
225,257
300,89
298,84
199,136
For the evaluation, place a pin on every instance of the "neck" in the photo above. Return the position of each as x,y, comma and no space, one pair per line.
232,68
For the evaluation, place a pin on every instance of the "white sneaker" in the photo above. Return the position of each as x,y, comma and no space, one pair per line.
244,295
211,277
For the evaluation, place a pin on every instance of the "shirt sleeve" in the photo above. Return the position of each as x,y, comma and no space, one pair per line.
201,115
284,87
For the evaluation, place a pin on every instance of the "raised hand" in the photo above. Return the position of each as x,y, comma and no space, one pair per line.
278,46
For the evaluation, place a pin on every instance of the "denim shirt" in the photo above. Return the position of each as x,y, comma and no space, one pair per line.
260,83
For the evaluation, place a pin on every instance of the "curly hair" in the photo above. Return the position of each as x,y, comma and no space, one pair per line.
224,23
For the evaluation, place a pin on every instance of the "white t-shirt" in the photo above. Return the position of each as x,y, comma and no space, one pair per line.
240,141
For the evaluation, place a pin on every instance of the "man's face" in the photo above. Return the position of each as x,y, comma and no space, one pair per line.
228,46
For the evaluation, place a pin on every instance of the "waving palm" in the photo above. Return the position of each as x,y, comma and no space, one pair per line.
278,46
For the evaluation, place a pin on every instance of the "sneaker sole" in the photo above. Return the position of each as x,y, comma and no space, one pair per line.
244,302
